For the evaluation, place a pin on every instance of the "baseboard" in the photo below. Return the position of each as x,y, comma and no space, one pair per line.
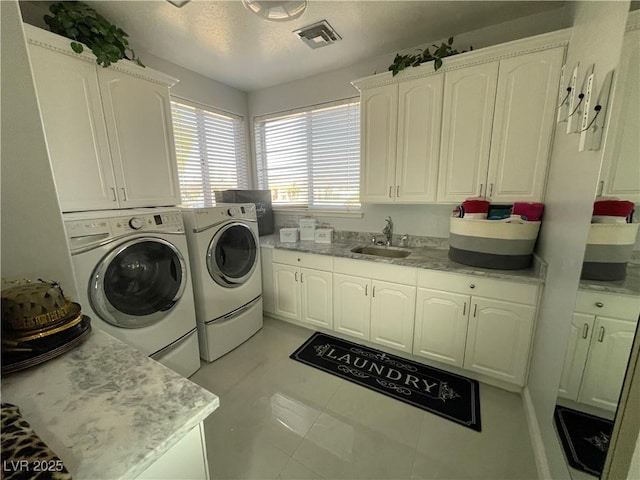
539,452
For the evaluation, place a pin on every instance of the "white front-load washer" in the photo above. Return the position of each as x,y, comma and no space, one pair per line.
134,281
227,281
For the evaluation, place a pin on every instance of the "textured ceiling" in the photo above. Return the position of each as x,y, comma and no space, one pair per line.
225,41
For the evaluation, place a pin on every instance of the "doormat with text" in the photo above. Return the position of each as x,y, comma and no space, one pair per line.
585,439
445,394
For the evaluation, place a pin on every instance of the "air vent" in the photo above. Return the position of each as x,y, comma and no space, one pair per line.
318,35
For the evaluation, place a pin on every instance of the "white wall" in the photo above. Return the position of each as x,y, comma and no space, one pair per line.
596,38
33,241
426,220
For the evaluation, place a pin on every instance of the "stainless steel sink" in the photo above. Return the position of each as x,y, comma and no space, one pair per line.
389,252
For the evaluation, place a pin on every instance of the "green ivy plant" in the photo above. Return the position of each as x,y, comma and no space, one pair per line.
83,25
400,62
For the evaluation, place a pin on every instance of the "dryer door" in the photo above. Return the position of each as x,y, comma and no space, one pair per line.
138,283
232,255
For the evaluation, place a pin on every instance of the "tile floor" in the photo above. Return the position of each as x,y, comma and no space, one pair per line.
280,419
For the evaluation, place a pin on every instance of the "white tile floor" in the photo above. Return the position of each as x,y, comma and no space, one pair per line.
280,419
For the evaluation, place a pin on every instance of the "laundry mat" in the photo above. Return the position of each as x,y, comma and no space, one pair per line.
445,394
585,439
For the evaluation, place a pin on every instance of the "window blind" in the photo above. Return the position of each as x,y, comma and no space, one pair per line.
211,153
311,158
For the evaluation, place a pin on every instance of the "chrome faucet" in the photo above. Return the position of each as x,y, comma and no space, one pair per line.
388,231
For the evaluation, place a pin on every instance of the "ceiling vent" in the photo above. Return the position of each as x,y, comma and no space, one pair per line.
318,35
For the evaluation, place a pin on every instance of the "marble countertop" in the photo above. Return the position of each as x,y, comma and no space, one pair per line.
427,257
107,410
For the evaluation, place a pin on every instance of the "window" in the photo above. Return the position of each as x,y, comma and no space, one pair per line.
311,158
211,152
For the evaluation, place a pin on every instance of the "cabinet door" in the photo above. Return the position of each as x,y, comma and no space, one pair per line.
467,114
419,120
266,259
581,333
392,314
138,115
441,326
607,362
351,305
316,291
620,175
74,126
498,339
286,292
378,133
523,126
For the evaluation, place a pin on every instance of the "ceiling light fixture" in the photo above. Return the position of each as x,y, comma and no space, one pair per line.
276,10
178,3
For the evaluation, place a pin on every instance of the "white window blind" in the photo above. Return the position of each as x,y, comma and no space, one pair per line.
211,153
311,158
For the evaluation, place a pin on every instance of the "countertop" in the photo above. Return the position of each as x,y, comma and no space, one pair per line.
106,409
432,258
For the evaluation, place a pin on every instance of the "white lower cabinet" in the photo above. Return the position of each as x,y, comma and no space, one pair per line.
302,294
186,460
465,324
266,263
441,326
498,339
602,333
374,310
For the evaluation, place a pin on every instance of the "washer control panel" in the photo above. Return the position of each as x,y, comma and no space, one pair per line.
101,228
163,222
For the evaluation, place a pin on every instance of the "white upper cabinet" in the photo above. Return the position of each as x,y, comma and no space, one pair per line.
620,173
109,131
400,137
482,126
469,96
523,126
138,115
378,137
69,98
419,112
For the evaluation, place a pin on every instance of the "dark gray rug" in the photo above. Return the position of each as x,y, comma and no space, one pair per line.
445,394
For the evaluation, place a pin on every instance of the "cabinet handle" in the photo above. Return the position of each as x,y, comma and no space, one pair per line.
113,193
300,277
464,309
601,188
599,304
601,336
366,288
390,188
481,185
472,285
585,330
373,292
398,191
296,276
491,190
124,194
475,310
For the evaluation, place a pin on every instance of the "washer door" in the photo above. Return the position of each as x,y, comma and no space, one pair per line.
138,283
232,255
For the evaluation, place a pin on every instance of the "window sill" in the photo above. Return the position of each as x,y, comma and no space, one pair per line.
318,212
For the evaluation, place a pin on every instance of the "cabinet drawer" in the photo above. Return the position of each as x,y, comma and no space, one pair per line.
626,307
301,259
484,287
375,271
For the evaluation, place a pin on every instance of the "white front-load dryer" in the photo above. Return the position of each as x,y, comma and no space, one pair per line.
225,264
134,281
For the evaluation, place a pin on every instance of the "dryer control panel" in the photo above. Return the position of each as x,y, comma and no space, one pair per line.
162,222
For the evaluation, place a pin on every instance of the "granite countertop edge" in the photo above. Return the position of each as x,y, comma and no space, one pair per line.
106,409
429,258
